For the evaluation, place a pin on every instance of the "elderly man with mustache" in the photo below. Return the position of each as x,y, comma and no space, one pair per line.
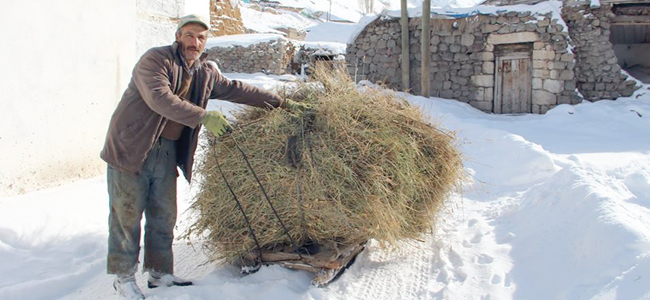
154,130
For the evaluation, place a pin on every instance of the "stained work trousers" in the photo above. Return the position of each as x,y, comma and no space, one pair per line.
153,192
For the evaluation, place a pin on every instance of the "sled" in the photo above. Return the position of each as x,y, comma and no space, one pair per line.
327,265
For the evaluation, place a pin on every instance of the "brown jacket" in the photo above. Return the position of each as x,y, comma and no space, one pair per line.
150,101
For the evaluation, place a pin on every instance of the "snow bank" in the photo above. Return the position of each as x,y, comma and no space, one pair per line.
568,226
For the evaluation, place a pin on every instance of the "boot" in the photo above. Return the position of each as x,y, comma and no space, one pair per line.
158,279
125,286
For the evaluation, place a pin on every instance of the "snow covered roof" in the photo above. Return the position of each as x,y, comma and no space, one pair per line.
326,48
243,40
554,7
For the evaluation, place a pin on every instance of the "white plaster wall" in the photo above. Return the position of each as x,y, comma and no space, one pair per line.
65,65
156,23
157,20
201,7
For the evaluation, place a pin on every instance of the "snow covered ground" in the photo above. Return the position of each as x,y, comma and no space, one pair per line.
556,206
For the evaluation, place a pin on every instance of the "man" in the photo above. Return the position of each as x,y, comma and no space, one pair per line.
153,130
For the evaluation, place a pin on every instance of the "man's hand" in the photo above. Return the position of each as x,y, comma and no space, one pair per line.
216,123
295,106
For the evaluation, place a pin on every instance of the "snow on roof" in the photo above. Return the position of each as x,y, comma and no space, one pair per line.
361,26
330,32
329,48
463,12
243,40
554,7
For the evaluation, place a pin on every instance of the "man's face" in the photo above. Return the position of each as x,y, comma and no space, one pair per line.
192,38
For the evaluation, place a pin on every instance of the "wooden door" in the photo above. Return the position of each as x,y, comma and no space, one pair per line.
513,86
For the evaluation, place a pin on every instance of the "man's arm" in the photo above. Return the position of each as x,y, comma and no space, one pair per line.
152,80
241,92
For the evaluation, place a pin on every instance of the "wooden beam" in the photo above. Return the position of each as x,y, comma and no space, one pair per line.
426,48
406,53
631,20
622,1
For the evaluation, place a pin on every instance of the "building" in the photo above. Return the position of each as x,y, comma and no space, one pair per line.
511,58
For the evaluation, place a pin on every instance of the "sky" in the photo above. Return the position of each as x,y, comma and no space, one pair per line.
554,206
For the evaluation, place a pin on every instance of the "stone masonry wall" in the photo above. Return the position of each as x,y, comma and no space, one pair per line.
463,57
225,19
597,72
272,57
376,53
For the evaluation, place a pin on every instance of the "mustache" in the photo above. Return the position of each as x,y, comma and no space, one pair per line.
188,47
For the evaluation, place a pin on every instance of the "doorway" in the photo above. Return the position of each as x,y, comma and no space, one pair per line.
630,36
513,78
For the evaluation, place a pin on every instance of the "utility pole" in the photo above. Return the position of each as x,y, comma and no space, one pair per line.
426,52
329,14
406,56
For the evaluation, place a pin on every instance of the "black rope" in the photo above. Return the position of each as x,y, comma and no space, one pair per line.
299,183
266,196
234,196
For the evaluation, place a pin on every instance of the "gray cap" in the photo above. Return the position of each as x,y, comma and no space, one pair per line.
194,18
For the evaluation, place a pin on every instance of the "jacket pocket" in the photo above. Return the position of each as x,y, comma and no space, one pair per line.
131,128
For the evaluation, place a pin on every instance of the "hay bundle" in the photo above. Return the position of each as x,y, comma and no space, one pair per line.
360,165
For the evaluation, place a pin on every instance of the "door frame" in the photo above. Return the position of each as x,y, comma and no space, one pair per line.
498,77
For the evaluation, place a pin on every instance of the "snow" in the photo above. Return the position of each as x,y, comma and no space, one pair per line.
330,32
265,22
539,10
326,47
554,206
243,40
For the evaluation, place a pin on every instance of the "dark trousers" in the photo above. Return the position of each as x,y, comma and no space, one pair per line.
153,192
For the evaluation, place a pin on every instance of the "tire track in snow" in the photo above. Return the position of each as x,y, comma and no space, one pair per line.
402,273
463,260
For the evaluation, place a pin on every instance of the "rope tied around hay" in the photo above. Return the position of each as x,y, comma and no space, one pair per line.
251,231
257,260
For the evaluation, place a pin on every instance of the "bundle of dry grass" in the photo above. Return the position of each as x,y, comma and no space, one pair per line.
360,165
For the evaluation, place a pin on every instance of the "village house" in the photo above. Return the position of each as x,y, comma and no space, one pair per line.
504,57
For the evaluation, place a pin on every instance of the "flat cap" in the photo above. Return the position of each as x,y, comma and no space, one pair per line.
194,18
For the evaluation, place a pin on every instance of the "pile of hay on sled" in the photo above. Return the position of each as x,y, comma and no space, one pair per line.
307,189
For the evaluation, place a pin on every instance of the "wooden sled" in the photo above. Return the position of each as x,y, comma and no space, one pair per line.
327,265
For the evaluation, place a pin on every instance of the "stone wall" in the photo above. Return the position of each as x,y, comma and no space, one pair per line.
308,56
225,18
271,57
463,57
597,72
274,55
376,53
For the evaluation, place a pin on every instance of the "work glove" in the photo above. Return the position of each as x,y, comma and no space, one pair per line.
216,123
291,105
